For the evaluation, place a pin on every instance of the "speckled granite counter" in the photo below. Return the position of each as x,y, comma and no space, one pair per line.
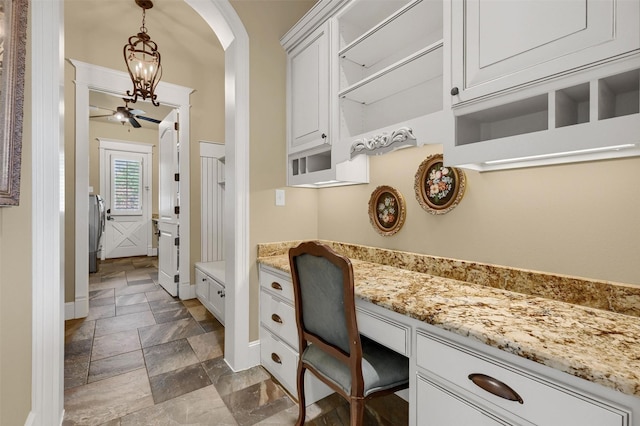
594,344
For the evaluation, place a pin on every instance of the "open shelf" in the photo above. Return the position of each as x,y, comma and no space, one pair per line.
356,118
311,163
618,95
516,118
417,24
572,105
360,17
422,66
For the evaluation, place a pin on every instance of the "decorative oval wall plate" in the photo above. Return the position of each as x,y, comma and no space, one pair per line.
439,189
387,210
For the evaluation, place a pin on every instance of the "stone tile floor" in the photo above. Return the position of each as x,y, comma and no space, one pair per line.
142,357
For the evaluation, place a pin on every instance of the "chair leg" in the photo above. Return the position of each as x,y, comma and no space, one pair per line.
357,411
302,406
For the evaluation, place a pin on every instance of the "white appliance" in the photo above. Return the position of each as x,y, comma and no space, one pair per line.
96,228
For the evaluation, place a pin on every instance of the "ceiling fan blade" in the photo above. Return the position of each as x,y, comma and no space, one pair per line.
134,122
136,111
153,120
100,116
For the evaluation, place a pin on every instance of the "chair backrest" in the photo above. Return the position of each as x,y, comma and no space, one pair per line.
325,303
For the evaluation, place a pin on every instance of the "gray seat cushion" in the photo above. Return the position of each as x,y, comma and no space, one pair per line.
382,368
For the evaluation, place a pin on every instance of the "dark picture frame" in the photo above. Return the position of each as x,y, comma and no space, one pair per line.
439,188
13,36
387,210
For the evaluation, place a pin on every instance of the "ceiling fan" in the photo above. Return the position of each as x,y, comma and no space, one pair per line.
125,114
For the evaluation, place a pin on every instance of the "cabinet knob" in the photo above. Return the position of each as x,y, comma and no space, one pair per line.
276,286
276,318
454,91
495,387
323,136
276,358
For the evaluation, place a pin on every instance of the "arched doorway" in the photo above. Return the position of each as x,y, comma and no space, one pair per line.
47,28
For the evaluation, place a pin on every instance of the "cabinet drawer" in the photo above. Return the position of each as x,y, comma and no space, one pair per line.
384,331
276,284
279,359
543,402
279,317
439,406
282,362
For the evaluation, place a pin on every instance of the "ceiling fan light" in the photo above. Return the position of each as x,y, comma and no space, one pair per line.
143,62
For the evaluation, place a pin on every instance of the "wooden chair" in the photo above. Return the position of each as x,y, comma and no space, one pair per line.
330,346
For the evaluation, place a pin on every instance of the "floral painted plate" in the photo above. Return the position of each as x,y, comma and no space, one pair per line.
387,210
439,189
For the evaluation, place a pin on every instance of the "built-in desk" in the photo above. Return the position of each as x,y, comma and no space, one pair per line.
569,364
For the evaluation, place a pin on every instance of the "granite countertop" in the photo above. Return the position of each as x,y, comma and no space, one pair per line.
593,344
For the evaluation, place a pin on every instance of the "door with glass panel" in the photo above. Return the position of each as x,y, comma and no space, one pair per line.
126,187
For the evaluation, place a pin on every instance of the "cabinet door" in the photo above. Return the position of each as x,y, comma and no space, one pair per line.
308,91
500,44
217,298
202,286
437,406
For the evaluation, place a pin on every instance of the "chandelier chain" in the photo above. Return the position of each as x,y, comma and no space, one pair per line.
143,28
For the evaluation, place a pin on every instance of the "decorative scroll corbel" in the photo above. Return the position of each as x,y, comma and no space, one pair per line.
382,143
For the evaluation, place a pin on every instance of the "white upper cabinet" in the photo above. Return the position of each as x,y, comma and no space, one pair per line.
309,91
504,44
536,83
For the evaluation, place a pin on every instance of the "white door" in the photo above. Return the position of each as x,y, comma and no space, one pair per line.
168,205
126,188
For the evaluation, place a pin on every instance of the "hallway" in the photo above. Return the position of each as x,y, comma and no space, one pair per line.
142,357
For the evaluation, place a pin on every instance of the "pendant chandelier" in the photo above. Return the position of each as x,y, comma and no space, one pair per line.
143,61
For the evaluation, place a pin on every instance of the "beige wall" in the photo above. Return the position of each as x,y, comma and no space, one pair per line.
15,289
577,219
191,57
266,22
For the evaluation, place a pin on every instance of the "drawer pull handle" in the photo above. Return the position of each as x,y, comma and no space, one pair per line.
276,286
495,387
276,358
276,318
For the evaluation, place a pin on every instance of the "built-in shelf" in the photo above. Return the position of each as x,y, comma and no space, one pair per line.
595,119
572,105
311,163
512,119
417,24
422,66
618,95
359,17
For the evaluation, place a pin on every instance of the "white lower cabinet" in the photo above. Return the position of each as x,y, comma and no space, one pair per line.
460,385
210,288
279,335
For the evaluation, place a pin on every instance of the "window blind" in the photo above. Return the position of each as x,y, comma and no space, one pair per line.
127,185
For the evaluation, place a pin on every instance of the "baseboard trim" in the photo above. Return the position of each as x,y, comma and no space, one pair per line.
31,419
254,352
69,311
187,291
152,251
